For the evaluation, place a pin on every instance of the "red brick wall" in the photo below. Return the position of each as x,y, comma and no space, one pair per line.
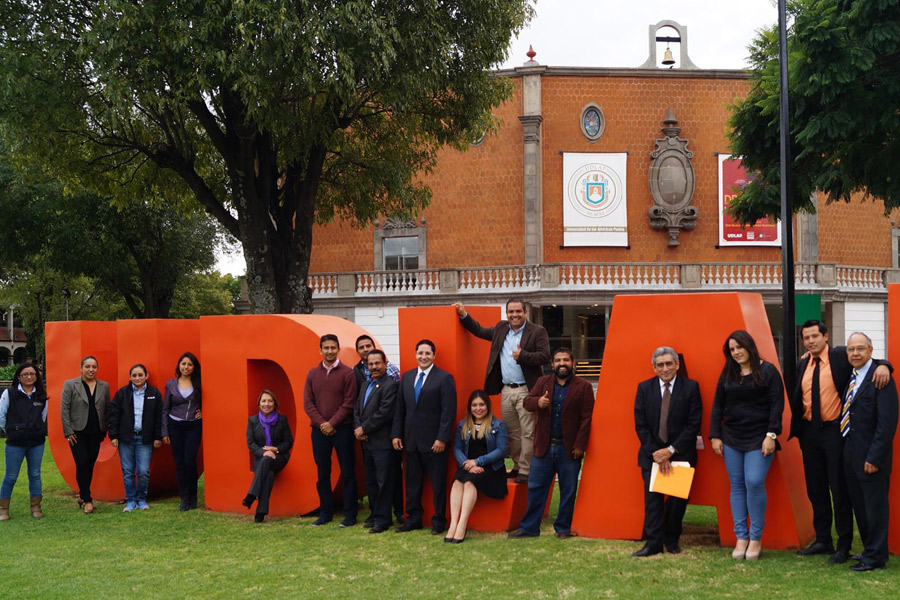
476,217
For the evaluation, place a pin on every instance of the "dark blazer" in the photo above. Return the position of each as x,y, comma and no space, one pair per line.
121,415
73,405
281,437
685,414
841,370
432,419
576,414
873,422
535,351
377,418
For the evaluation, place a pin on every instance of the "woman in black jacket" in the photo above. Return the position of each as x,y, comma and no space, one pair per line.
269,439
23,415
134,420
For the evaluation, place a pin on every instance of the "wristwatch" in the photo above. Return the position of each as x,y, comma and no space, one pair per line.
771,435
672,449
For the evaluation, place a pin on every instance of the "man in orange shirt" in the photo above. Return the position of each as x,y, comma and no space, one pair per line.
815,422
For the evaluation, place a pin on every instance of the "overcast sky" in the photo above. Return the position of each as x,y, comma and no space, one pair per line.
613,33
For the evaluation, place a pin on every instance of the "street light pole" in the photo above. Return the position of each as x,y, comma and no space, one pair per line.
788,338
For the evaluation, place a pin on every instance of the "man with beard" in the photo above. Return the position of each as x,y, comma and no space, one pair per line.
667,413
563,404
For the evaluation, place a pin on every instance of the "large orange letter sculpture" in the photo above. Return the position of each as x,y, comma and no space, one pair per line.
894,357
610,500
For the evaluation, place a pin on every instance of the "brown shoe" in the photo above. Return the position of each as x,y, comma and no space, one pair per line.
36,507
522,478
4,509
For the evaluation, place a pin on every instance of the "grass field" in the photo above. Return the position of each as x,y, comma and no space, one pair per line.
162,553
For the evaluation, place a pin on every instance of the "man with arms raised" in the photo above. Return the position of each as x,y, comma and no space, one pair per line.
519,351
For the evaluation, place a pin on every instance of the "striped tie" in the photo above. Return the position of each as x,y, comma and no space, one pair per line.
845,411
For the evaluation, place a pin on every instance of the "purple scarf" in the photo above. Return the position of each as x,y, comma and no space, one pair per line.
267,423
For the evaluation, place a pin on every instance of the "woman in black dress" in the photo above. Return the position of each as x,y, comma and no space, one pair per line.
745,422
269,440
479,447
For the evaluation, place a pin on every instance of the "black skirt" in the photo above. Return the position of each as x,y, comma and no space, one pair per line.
491,483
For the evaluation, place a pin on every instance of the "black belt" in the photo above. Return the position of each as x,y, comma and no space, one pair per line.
556,442
138,432
513,385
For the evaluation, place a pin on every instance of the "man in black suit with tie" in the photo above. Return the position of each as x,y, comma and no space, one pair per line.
373,418
815,421
667,414
423,424
868,423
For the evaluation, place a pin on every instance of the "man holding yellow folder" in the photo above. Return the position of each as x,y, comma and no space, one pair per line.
667,414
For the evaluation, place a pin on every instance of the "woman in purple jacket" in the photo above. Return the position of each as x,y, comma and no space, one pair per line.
182,426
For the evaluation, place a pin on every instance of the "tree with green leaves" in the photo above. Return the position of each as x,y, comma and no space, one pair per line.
142,252
272,114
844,91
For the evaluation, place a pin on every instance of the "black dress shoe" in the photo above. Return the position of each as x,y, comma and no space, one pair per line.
564,535
512,474
437,530
378,529
407,527
259,517
248,500
839,557
816,548
863,567
673,548
347,523
321,521
515,535
185,505
856,557
447,540
647,551
456,541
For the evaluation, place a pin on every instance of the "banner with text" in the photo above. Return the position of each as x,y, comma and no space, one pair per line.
594,199
732,178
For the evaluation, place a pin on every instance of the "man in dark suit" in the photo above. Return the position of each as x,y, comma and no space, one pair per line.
667,414
519,351
373,418
423,424
564,405
815,420
868,423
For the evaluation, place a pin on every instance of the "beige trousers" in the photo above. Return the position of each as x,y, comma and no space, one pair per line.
520,424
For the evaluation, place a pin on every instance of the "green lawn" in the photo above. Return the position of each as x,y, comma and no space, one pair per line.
166,554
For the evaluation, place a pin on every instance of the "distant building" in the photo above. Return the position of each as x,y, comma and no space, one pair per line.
522,213
12,341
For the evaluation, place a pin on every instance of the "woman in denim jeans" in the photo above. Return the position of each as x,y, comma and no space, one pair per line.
23,415
135,428
745,422
479,448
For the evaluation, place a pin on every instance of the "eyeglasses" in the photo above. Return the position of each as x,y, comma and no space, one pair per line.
855,349
28,374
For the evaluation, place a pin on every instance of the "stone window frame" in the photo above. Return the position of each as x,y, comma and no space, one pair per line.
394,227
895,246
592,138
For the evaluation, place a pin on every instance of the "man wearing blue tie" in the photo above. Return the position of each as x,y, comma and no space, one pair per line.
423,424
868,422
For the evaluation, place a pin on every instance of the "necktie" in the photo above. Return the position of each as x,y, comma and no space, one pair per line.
368,393
664,414
816,396
419,383
845,410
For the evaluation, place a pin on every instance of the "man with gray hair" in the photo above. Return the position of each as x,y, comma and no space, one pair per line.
868,423
667,414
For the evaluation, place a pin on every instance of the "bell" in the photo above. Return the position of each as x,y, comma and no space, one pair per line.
668,59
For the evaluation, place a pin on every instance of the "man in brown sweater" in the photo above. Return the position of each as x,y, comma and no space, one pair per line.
328,398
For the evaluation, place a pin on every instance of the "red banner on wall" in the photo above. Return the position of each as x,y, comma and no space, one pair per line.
732,178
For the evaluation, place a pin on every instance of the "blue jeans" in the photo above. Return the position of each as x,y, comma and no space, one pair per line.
135,459
747,473
14,457
540,481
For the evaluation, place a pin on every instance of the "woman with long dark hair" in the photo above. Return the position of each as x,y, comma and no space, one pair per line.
83,405
182,426
745,422
479,448
269,440
23,415
135,429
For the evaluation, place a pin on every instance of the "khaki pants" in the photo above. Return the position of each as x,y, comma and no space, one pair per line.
520,424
